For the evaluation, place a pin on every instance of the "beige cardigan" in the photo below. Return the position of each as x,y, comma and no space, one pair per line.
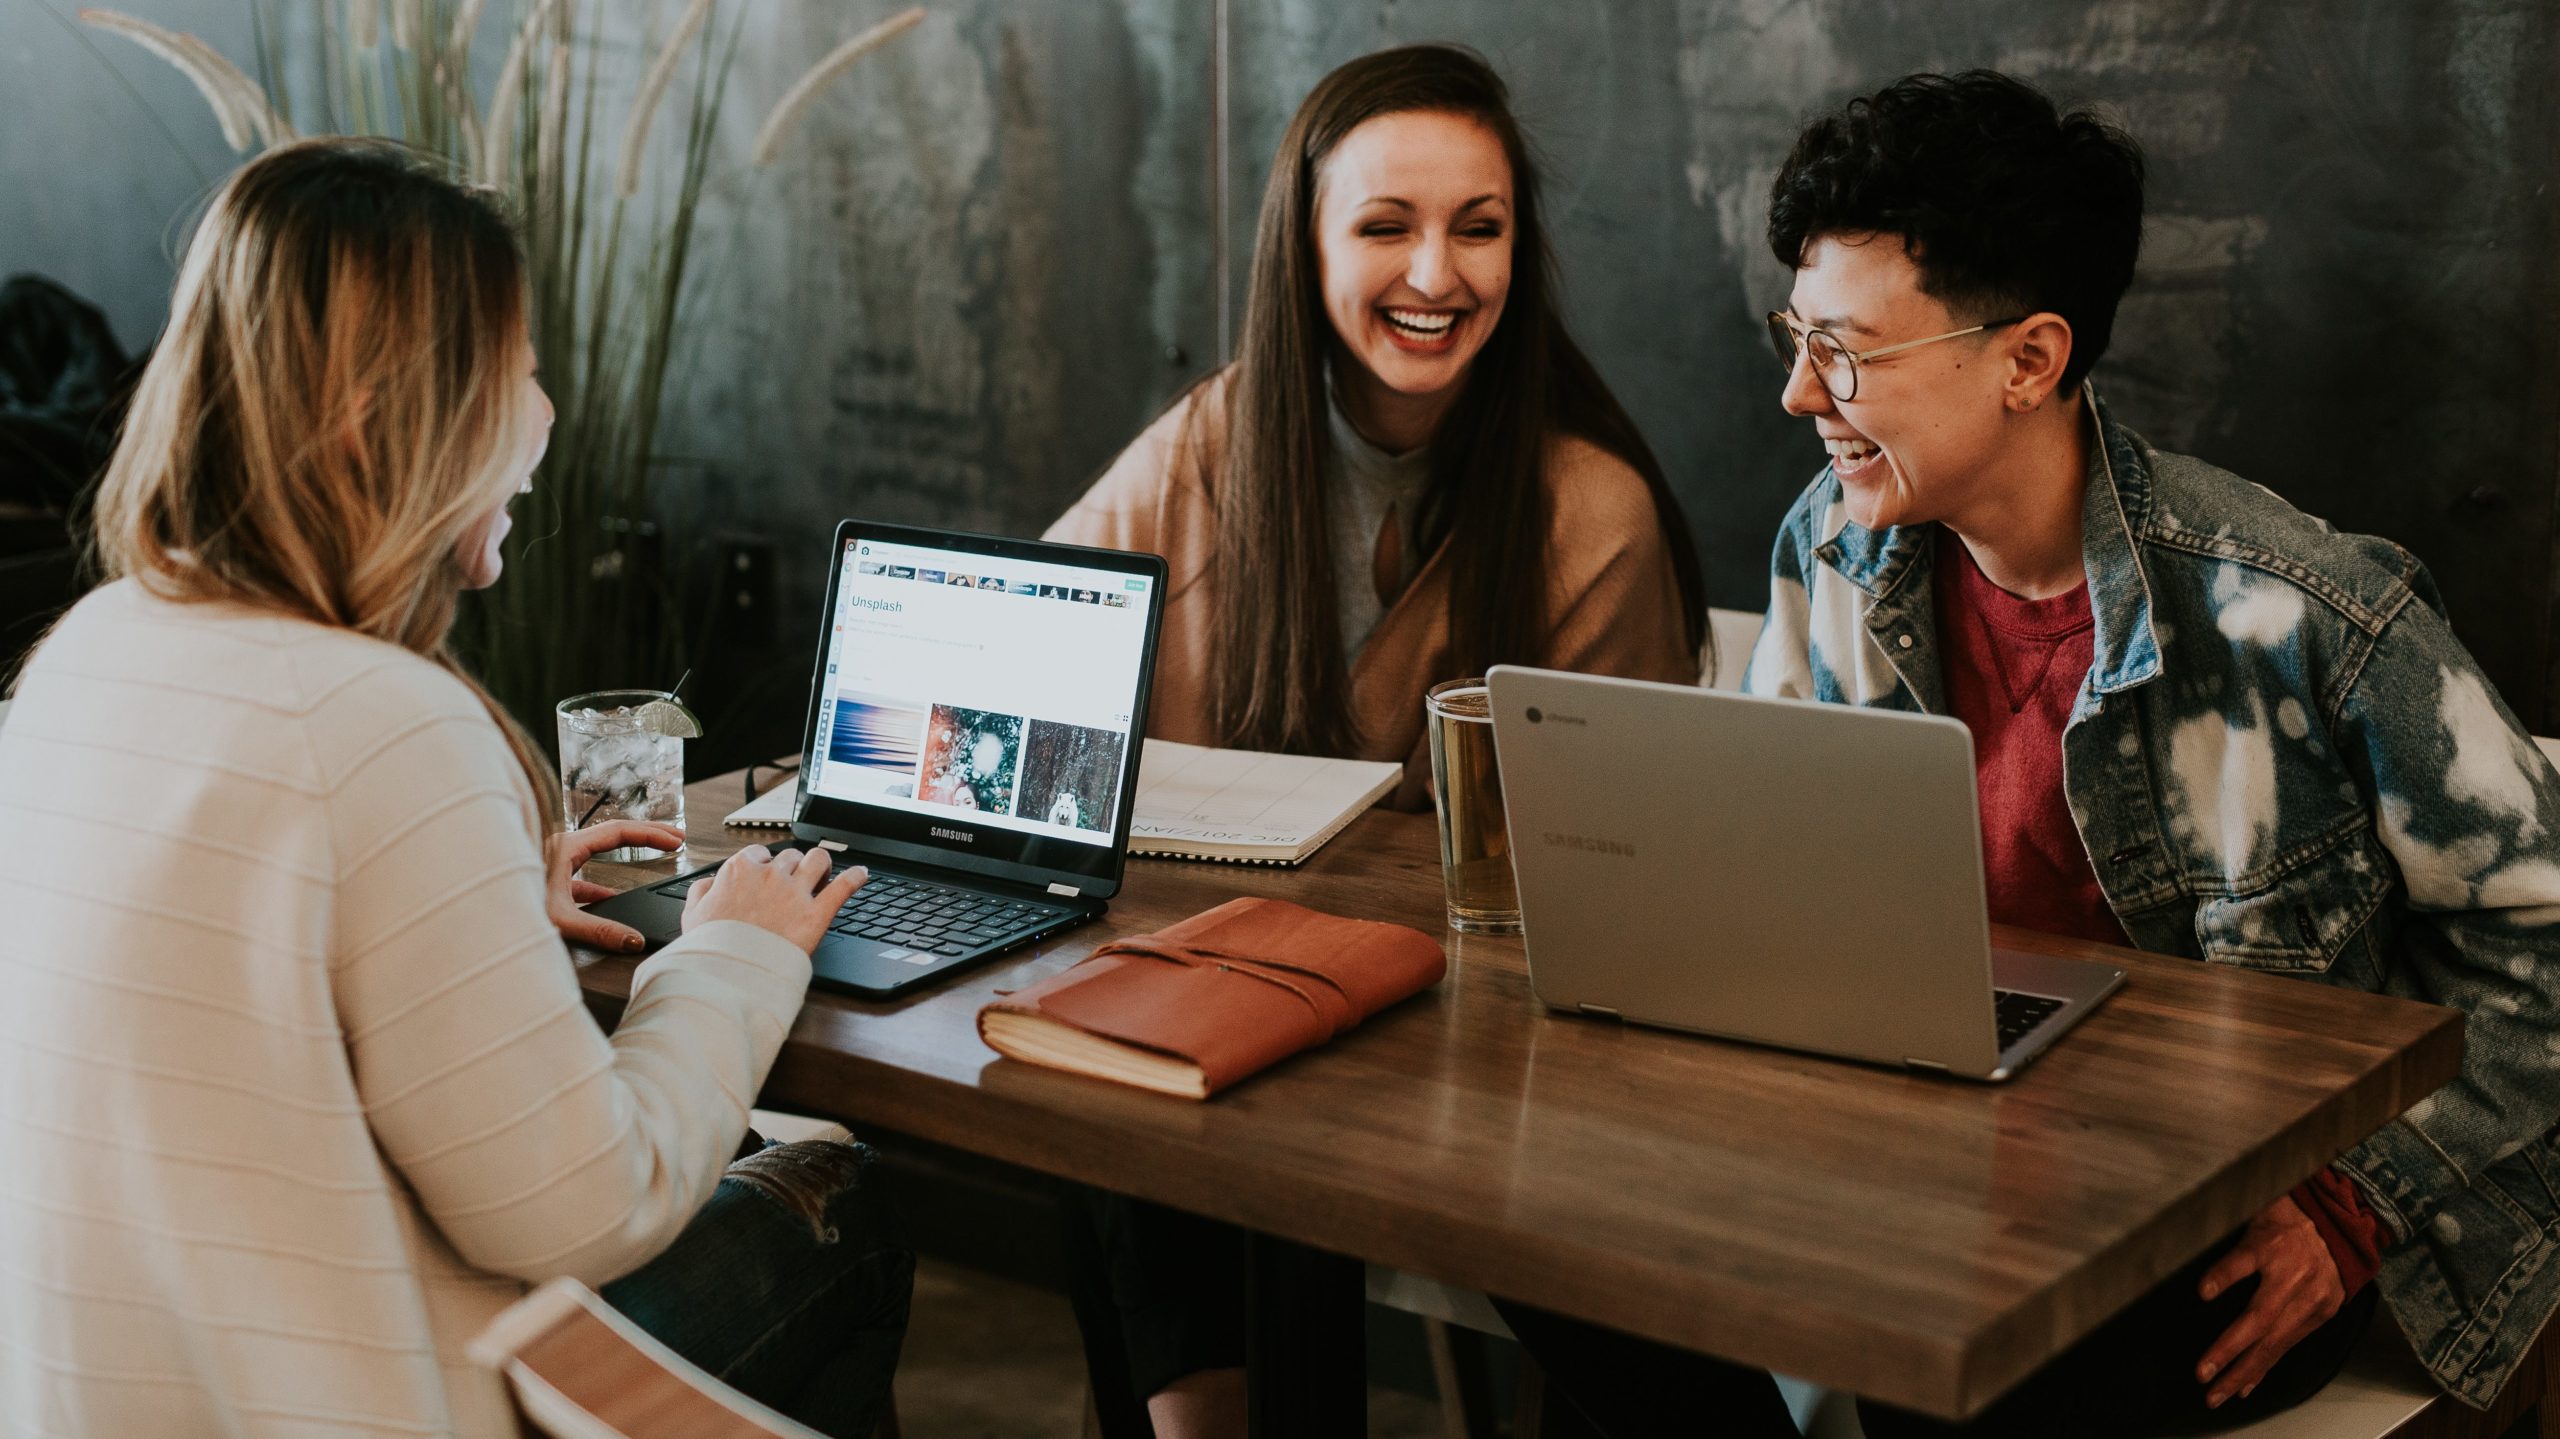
1613,600
296,1085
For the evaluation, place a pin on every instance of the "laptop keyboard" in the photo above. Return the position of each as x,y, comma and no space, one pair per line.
2020,1013
926,917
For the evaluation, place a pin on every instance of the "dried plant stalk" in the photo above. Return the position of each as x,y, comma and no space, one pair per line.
247,93
238,105
466,28
498,133
606,272
555,114
635,135
777,126
457,103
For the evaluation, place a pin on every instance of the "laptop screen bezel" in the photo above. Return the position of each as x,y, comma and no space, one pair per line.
1092,871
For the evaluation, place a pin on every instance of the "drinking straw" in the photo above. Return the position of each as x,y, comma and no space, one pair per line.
600,799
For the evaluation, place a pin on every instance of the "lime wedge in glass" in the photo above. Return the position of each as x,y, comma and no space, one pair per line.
670,718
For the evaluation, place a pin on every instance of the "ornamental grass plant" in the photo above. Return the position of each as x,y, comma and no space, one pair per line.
606,197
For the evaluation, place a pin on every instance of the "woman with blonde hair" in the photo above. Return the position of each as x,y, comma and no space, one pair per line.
296,1085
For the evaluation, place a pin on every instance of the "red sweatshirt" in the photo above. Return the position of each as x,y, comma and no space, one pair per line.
2012,669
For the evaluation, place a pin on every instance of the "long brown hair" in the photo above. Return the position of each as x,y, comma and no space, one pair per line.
1280,679
334,403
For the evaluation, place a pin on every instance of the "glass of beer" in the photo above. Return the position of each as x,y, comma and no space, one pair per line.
1475,841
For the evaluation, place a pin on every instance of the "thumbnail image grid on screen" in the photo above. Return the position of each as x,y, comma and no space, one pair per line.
948,696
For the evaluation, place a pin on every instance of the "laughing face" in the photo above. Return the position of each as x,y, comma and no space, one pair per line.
1413,237
478,553
1921,440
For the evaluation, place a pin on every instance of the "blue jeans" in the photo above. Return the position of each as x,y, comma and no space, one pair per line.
790,1286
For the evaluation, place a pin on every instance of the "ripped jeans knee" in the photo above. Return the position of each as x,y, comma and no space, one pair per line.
791,1285
805,1177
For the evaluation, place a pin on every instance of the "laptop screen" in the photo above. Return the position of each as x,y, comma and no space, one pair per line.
989,694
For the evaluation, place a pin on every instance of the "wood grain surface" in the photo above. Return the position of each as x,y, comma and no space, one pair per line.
1923,1241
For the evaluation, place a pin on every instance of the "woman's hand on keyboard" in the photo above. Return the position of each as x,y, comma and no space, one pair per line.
788,893
564,854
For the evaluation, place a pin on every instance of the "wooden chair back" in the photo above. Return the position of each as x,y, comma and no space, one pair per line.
580,1370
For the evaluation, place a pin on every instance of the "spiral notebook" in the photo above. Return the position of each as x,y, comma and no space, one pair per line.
1194,802
1245,807
772,809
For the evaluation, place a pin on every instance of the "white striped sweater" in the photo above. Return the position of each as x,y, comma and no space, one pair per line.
296,1087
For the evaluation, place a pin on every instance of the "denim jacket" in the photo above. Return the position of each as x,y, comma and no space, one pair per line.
2282,759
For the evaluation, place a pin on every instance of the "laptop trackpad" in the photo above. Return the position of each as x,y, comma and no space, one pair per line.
659,917
870,964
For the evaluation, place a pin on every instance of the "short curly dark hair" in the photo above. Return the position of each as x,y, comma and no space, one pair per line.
2009,205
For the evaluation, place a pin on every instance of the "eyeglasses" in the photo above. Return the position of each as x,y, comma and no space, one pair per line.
1835,364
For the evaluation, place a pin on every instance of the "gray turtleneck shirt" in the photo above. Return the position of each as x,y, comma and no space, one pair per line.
1367,489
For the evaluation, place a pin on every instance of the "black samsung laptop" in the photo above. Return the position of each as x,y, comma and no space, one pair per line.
973,737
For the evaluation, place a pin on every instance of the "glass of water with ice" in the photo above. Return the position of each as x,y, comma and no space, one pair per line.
622,757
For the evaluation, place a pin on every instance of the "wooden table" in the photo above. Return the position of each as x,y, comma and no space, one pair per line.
1923,1241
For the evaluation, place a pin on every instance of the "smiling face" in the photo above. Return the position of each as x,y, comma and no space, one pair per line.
1925,437
1413,241
478,551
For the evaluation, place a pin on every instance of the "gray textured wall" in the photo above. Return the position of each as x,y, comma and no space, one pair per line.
103,161
990,255
957,297
2349,286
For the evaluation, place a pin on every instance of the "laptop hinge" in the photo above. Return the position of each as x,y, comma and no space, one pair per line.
1601,1010
1930,1064
1068,890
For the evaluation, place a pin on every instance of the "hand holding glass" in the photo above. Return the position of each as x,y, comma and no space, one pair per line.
615,765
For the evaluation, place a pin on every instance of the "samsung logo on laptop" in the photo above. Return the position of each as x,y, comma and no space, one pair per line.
1589,844
962,835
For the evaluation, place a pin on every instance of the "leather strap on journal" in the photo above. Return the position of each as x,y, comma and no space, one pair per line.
1236,988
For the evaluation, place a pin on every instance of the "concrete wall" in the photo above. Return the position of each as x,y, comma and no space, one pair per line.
2349,283
972,279
994,251
104,152
978,268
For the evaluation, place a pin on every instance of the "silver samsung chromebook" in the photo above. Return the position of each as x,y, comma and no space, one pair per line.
1780,871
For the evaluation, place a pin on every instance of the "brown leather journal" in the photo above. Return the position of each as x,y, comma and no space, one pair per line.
1199,1005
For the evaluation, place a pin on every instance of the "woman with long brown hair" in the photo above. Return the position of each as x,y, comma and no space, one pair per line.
297,1088
1410,472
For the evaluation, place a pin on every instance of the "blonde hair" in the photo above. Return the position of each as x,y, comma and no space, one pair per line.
334,404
